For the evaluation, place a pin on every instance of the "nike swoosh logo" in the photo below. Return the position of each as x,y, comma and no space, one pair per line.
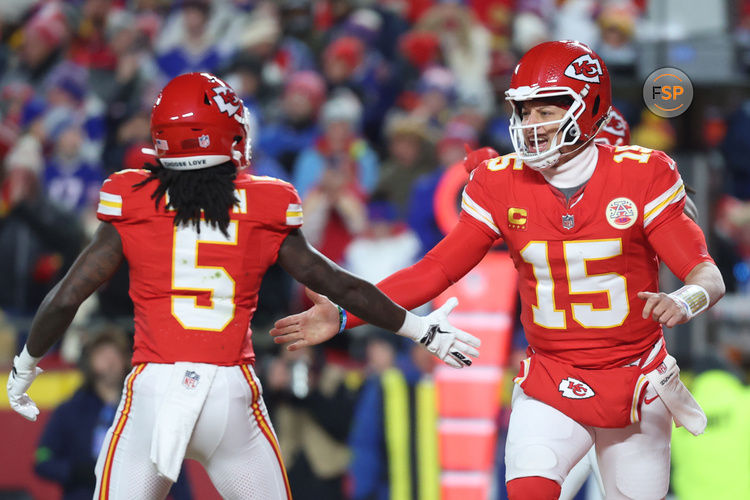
430,335
649,401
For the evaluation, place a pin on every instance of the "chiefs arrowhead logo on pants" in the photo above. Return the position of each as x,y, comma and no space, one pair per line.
575,389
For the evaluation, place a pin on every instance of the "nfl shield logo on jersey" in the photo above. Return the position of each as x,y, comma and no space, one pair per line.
190,381
568,221
204,141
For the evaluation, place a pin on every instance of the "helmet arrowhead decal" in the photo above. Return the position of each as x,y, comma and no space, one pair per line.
584,68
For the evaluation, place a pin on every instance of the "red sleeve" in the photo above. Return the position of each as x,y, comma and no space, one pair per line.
292,207
476,203
664,198
457,254
274,201
680,244
114,203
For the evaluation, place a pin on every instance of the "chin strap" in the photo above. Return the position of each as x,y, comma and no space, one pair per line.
563,156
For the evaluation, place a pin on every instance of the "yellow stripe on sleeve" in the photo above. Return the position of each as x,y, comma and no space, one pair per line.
658,208
112,204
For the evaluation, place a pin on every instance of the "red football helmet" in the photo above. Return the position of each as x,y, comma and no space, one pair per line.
554,69
616,132
198,121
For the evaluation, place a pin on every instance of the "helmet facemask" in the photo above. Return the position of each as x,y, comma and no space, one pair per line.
568,132
242,146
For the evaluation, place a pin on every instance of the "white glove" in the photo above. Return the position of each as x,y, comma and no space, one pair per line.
442,339
21,376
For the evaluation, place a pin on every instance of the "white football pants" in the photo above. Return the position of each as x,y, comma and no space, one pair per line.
233,439
634,460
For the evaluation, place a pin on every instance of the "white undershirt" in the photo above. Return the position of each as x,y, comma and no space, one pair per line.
574,172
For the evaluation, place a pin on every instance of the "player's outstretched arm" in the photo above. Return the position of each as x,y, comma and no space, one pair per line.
95,265
703,288
451,259
315,271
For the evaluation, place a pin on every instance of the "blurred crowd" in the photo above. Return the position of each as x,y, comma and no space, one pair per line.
362,105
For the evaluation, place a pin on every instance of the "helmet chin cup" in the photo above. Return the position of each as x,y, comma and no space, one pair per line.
543,163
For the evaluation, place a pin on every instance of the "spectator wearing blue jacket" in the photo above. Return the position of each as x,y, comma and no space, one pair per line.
421,211
188,43
339,148
297,128
70,179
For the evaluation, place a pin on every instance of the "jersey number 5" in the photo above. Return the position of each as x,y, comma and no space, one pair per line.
577,253
187,275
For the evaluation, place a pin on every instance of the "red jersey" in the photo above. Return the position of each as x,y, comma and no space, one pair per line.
582,262
195,292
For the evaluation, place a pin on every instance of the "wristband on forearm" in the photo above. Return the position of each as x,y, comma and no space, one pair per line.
342,318
693,298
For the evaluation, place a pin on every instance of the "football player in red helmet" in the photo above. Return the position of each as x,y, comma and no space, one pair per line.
586,225
198,236
561,97
197,122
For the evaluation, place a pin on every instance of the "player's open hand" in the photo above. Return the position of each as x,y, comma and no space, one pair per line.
311,327
663,309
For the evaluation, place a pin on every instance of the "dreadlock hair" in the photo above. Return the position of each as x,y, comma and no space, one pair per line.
206,193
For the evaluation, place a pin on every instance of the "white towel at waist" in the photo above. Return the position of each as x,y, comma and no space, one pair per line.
684,408
187,390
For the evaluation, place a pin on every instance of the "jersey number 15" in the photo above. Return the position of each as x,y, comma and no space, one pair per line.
548,314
